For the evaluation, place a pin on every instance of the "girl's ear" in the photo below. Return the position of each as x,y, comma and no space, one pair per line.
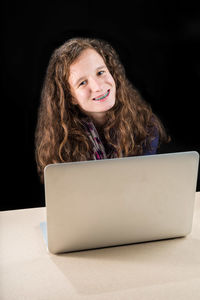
74,101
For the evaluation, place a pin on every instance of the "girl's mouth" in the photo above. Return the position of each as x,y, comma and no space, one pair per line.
102,98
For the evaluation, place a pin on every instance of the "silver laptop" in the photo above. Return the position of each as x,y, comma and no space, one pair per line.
111,202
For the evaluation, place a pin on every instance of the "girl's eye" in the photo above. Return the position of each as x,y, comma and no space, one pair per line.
82,83
100,72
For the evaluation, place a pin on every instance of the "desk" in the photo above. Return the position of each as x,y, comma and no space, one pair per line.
156,270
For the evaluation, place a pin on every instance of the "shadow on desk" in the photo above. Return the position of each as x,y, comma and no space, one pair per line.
131,267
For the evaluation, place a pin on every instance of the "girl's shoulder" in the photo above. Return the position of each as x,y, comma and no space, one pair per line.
152,145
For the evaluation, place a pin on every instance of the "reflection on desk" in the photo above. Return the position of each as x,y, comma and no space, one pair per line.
167,269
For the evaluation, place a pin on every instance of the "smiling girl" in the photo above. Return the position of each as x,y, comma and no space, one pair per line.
89,110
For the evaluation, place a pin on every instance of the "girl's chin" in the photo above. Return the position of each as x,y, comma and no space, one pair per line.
98,108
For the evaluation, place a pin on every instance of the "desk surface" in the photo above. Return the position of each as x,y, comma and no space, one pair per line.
156,270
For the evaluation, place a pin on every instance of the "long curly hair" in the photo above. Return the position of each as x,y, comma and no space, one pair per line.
60,135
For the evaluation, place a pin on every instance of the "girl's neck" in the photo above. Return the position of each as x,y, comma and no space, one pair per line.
99,120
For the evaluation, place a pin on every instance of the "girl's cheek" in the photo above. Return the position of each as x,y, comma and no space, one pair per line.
84,93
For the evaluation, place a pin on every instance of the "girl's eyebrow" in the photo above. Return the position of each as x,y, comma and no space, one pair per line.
83,77
101,67
79,80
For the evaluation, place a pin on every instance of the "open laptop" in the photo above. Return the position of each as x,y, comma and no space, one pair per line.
111,202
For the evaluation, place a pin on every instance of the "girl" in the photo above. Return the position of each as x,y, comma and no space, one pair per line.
89,110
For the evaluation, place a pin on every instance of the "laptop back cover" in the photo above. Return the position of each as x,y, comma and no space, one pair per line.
119,201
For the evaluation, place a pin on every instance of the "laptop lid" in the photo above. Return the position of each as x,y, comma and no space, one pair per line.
119,201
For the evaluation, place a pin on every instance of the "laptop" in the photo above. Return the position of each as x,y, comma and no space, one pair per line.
102,203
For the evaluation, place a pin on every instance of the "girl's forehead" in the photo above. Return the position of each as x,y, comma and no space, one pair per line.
87,56
88,61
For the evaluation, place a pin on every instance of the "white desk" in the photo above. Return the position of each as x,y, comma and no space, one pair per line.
157,270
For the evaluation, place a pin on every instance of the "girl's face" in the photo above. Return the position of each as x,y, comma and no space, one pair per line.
92,86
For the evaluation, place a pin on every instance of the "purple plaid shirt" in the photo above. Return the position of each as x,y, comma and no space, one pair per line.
99,149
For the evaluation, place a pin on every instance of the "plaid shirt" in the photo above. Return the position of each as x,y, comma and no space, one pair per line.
99,152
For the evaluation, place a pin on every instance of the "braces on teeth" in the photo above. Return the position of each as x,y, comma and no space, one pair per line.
102,96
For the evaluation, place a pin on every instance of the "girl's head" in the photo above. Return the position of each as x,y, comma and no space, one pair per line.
88,73
85,78
92,85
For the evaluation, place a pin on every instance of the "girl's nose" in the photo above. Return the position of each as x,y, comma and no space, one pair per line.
95,85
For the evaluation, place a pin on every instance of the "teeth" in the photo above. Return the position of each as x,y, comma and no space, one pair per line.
102,96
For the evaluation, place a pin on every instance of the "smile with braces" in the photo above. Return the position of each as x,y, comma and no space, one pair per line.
96,99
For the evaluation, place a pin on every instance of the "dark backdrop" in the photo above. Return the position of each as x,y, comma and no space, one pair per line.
159,45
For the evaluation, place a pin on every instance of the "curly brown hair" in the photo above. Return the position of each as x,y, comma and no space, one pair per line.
60,135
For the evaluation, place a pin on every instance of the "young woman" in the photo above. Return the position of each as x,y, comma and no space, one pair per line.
89,110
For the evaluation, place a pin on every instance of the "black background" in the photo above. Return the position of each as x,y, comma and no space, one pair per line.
158,43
